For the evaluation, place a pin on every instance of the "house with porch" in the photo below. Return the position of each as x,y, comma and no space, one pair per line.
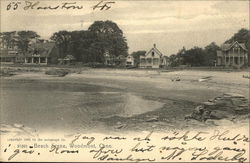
69,59
232,55
9,52
152,59
120,61
130,61
39,53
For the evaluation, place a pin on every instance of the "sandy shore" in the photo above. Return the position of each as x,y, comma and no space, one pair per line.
159,94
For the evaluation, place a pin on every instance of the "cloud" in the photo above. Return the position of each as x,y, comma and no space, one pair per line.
232,7
144,19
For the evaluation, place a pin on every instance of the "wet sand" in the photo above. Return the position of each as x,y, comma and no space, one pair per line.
102,100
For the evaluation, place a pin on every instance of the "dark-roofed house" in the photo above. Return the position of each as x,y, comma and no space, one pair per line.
39,53
69,59
152,59
9,52
234,54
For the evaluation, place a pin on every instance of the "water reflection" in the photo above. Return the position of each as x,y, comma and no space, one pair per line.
66,106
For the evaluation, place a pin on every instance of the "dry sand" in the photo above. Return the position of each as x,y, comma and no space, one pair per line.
161,101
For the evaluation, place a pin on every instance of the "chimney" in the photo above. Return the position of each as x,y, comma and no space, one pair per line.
154,45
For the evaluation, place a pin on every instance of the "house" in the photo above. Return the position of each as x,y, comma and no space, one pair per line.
152,59
108,58
120,61
130,61
9,56
166,61
9,52
234,54
39,53
112,60
69,59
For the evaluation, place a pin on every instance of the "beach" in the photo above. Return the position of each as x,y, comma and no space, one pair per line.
113,100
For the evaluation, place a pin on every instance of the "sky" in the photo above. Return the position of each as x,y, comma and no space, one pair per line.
168,24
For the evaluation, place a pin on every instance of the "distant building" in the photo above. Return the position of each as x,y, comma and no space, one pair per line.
39,53
108,58
234,54
130,61
69,59
112,60
166,61
120,61
9,52
152,59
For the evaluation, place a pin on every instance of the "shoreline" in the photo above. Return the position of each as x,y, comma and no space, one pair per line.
179,98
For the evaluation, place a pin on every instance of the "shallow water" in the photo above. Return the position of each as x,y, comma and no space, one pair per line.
56,106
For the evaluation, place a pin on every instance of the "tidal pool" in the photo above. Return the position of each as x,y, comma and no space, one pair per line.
58,106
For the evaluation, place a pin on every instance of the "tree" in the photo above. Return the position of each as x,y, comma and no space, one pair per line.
105,27
137,55
109,37
174,60
8,38
211,54
194,57
242,36
24,38
83,46
62,40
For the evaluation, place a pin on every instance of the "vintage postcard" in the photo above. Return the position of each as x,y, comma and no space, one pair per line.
124,81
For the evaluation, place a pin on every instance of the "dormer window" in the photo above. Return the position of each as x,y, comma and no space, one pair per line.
153,54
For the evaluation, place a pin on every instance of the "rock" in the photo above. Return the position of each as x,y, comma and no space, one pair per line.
202,80
57,72
209,103
218,114
187,117
153,119
246,76
238,101
199,109
118,123
18,125
120,126
221,108
233,95
241,110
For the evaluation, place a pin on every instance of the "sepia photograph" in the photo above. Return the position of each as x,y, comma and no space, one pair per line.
124,81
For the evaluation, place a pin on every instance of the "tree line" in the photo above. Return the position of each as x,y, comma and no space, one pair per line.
85,45
91,45
106,37
197,56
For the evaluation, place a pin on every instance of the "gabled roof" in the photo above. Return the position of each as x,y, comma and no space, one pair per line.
43,49
9,53
120,57
226,47
156,50
153,49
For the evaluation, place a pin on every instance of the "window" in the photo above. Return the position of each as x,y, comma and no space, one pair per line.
143,61
149,60
155,61
153,53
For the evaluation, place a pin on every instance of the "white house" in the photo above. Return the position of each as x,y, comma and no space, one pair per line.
130,61
152,59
